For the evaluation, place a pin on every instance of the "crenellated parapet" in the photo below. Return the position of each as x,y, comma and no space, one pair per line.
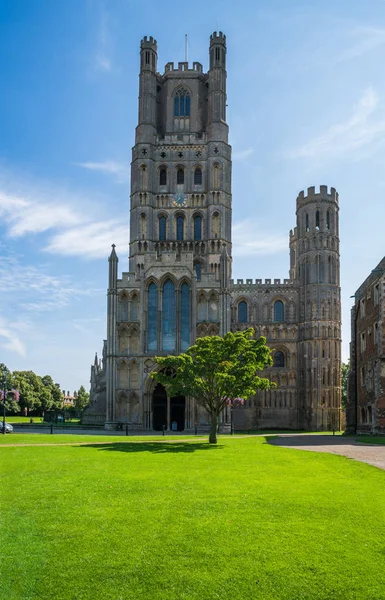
217,37
258,283
148,43
313,196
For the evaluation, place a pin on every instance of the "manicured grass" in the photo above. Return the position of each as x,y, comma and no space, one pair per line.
186,520
370,439
36,420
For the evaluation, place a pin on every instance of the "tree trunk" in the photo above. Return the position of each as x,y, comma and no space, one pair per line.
213,429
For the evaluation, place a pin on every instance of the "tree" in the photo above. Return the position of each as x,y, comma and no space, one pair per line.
82,399
216,371
30,387
345,368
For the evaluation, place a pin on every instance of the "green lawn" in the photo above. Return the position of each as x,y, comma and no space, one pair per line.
36,420
370,439
186,520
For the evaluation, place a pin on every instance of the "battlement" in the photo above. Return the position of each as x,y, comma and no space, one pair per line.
217,37
312,195
258,283
183,66
148,42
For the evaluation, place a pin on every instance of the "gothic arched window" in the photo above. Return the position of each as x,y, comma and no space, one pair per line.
152,311
162,229
242,312
185,312
168,317
182,103
198,270
279,311
198,176
180,228
163,177
279,359
198,227
317,220
328,220
180,177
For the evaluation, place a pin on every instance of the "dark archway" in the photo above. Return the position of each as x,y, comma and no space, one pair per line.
159,408
177,412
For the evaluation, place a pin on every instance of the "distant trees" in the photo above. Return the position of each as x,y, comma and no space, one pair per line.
82,399
36,394
345,368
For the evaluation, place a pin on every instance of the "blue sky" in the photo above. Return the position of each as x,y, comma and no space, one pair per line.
306,106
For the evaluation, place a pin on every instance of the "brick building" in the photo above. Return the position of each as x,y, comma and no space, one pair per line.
365,411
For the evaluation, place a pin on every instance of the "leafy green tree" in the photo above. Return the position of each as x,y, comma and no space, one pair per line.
216,371
7,389
30,388
51,397
345,368
82,399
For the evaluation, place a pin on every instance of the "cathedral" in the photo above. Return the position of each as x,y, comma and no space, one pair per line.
179,285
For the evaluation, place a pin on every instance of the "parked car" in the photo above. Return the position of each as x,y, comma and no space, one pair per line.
8,427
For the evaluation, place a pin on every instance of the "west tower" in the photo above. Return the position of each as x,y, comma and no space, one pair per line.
179,284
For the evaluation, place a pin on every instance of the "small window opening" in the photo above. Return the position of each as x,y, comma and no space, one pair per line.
180,177
198,176
163,177
317,220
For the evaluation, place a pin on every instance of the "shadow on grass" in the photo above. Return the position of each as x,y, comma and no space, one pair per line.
315,440
155,447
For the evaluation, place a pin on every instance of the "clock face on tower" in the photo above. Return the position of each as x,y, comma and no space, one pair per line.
179,199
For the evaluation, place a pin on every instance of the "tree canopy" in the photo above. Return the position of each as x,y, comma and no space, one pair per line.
216,371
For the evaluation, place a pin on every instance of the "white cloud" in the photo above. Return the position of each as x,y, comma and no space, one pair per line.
74,221
346,137
102,60
91,240
250,238
9,339
366,39
120,171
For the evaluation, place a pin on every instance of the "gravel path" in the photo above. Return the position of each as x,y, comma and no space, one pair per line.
373,454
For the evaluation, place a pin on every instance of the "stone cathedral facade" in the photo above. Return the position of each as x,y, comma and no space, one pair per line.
179,286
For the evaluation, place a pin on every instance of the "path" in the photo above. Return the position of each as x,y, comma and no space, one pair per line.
373,454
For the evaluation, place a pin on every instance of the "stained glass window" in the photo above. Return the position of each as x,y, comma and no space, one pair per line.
198,176
242,312
197,228
279,311
185,311
279,359
163,177
152,306
168,317
182,104
198,271
180,228
162,229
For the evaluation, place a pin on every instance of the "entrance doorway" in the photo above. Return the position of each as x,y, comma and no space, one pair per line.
177,412
159,408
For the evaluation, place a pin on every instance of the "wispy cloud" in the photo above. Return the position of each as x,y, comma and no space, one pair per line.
102,59
343,139
74,221
34,289
9,338
366,39
250,238
90,240
120,171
